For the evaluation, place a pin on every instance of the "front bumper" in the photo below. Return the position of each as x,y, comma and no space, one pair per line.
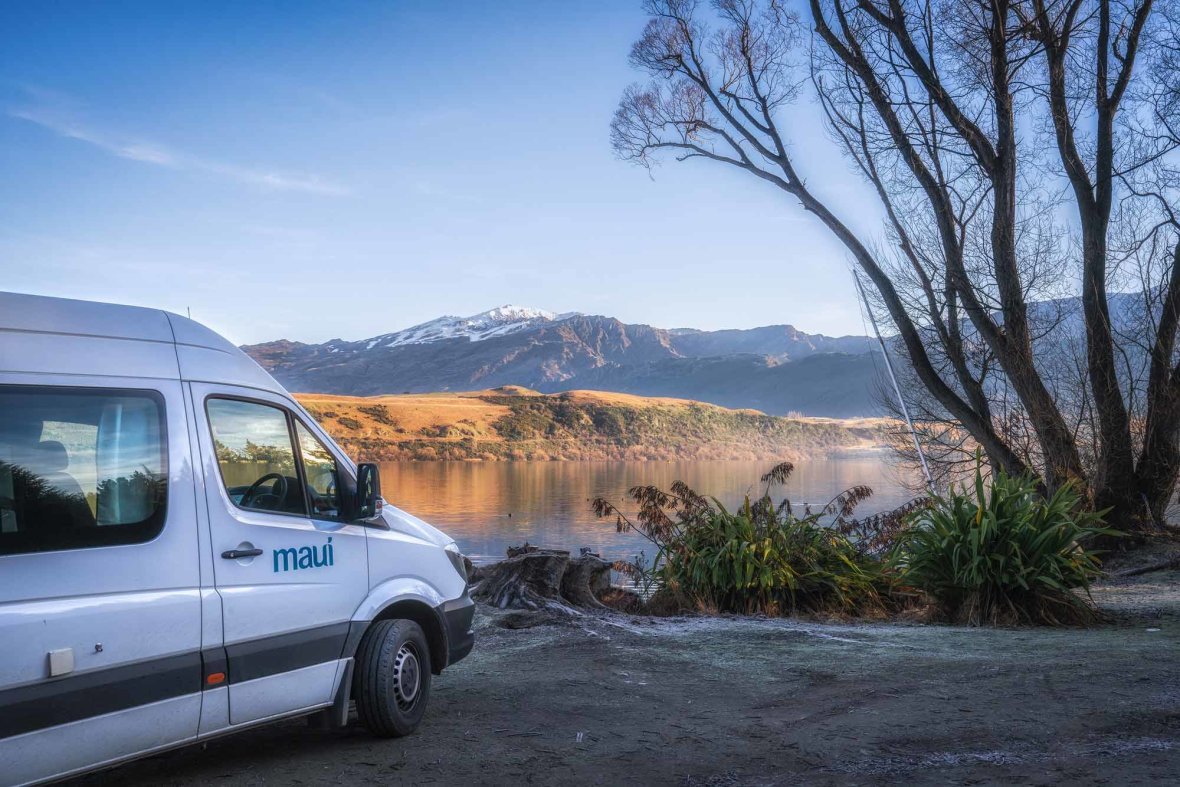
457,616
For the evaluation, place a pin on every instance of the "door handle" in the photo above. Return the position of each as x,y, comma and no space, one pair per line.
237,554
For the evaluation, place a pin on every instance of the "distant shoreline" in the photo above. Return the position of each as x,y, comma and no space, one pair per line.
517,424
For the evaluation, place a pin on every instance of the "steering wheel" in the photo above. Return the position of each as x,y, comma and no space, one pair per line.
278,491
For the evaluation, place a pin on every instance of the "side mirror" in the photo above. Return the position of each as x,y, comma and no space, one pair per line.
368,491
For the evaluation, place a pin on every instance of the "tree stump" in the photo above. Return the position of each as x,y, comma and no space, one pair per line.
528,581
533,578
586,579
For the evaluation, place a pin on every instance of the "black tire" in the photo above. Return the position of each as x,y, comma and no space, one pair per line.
388,653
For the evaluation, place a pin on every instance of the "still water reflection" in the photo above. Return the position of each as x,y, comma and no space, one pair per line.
489,506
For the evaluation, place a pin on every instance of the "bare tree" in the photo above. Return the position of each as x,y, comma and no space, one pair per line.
976,123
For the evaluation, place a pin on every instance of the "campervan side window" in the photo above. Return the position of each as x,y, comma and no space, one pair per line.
80,467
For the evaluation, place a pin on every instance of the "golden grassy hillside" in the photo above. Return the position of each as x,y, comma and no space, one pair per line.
517,423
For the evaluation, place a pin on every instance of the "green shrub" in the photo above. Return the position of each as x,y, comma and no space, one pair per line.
744,562
759,558
1003,554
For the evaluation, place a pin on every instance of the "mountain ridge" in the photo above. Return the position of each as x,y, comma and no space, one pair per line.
778,369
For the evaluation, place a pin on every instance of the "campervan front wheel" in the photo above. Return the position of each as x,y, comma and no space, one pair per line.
392,683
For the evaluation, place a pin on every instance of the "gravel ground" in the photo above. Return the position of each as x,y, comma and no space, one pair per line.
739,701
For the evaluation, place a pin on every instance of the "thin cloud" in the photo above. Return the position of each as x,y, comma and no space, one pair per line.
64,124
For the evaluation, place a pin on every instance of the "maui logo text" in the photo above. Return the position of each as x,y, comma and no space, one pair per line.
292,559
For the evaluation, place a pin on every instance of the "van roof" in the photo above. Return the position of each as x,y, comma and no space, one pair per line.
46,335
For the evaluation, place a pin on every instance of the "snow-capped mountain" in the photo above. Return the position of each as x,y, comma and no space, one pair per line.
500,321
776,368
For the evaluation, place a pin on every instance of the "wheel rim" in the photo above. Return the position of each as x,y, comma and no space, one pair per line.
407,676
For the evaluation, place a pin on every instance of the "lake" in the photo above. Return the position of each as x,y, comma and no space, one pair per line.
488,506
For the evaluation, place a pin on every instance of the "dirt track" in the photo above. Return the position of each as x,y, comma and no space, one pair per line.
732,701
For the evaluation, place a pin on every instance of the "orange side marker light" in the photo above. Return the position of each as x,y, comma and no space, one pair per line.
215,678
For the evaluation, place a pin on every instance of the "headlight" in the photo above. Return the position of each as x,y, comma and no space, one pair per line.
456,558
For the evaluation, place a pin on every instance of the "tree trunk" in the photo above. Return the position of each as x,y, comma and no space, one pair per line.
1159,460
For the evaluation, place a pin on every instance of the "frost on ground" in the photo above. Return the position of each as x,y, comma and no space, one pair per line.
739,701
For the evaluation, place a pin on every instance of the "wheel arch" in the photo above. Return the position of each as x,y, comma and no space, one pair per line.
408,606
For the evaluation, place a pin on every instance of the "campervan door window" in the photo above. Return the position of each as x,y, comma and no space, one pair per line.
256,456
80,467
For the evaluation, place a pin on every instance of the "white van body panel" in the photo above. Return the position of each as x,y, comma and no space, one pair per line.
35,314
92,743
205,356
214,711
111,607
306,688
172,605
393,591
56,354
410,525
207,364
81,622
423,561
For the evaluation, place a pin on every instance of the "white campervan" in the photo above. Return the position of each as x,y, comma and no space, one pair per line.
185,553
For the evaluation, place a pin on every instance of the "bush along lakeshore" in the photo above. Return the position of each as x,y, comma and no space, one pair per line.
996,552
765,557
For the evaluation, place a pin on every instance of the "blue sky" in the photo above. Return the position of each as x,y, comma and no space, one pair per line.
341,170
